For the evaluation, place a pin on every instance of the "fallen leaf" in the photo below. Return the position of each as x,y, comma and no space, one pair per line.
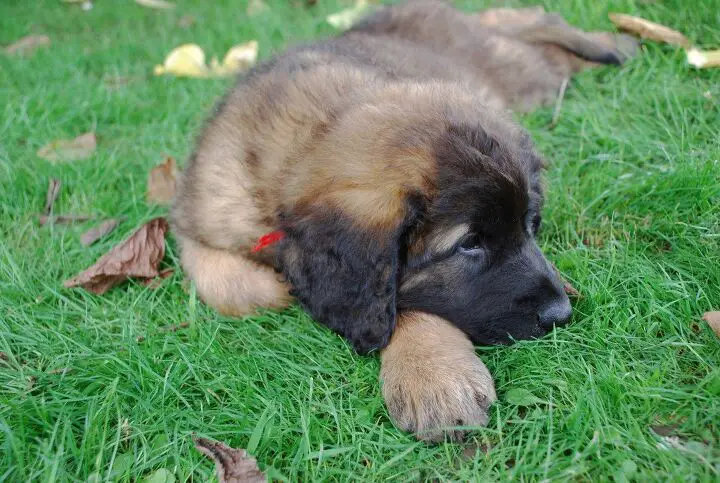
256,7
97,232
231,465
648,30
27,45
713,320
238,59
663,429
159,4
187,60
64,219
175,328
52,194
345,19
154,283
703,59
570,290
567,286
137,256
81,147
161,182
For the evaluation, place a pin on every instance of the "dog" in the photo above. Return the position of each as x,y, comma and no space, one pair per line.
378,179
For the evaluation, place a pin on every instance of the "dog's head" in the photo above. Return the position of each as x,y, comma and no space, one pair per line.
426,206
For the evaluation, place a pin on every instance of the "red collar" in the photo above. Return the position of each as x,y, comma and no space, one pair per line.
268,239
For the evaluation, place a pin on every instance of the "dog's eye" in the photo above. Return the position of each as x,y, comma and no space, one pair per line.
472,245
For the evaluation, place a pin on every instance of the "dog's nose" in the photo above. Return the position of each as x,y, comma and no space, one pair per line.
555,314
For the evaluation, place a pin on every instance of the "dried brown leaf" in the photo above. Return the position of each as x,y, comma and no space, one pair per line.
137,256
159,4
567,286
570,290
81,147
154,283
97,232
161,182
663,429
648,30
713,320
231,465
64,219
27,45
52,194
174,328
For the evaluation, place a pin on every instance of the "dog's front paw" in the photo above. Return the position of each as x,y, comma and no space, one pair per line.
432,380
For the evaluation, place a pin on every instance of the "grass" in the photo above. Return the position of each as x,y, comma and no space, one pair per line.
633,219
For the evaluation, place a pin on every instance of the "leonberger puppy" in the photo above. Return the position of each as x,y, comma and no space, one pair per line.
380,174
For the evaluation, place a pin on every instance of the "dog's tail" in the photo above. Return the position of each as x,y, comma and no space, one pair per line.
583,45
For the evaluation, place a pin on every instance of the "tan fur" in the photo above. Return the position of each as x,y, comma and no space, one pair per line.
432,379
214,273
317,129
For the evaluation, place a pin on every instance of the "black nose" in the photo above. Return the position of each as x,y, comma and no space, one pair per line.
555,314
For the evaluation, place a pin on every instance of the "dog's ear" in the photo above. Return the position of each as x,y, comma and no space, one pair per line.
344,271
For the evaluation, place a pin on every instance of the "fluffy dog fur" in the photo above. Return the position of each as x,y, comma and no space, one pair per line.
408,197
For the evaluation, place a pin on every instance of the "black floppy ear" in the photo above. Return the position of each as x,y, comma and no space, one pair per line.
343,274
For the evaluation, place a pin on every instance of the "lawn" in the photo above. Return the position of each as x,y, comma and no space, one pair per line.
95,388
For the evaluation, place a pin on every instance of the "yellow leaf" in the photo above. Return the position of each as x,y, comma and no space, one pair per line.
241,57
648,30
160,4
345,19
703,59
69,149
185,61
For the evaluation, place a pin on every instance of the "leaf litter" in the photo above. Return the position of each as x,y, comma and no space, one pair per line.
231,465
188,60
345,19
52,194
61,150
64,219
97,232
27,45
648,30
161,182
136,257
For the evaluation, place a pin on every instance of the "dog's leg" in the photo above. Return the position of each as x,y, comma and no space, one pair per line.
432,379
229,281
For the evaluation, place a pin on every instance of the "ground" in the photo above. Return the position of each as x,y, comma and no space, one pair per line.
95,387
